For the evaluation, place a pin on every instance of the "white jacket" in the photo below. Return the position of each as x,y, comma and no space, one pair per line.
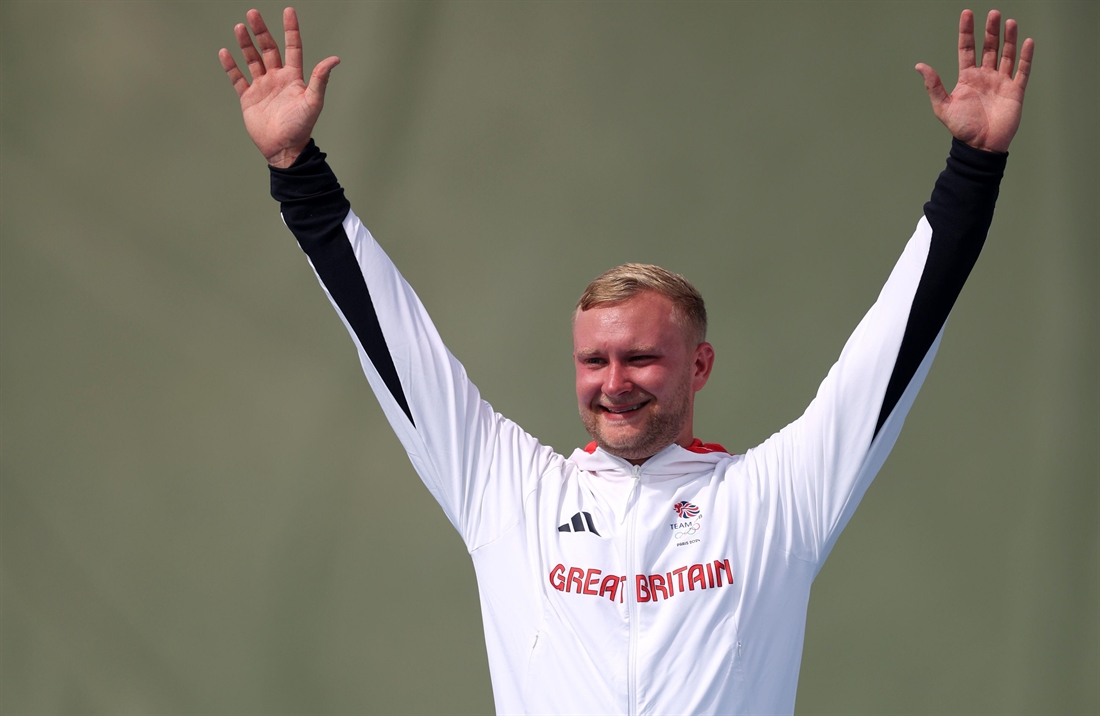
680,586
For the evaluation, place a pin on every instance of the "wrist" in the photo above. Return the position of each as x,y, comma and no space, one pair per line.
285,157
982,146
976,164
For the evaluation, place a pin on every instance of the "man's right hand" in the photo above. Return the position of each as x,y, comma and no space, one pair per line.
279,109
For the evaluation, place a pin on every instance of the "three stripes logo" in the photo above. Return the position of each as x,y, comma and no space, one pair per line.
580,522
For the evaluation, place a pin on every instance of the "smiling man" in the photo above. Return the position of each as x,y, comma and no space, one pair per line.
639,344
648,572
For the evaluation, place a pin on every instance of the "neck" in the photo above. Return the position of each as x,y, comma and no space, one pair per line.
682,442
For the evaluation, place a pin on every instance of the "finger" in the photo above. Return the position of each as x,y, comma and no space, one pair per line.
251,56
270,50
933,85
235,75
1008,54
1026,53
992,40
318,81
293,39
966,40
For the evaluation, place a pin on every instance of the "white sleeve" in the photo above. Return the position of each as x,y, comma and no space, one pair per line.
478,465
813,473
818,468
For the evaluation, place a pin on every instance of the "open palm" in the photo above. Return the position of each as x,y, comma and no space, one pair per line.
279,108
984,108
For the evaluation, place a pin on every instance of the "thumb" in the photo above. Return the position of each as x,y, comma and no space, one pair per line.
318,80
932,84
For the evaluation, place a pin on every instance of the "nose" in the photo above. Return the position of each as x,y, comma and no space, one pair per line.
617,382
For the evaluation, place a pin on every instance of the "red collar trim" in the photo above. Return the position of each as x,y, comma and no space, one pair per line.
703,448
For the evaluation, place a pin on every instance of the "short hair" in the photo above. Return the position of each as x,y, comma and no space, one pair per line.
624,282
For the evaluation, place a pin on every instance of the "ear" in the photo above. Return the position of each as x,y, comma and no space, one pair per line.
701,365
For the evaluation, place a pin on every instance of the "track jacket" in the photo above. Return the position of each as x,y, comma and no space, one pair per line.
680,586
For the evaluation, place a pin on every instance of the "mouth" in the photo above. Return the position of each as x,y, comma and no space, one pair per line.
623,410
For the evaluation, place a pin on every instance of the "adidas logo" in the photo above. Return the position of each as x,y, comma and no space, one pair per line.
580,522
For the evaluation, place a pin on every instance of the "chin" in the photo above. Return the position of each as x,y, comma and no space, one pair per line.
639,440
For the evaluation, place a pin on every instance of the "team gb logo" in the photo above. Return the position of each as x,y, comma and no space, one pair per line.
688,524
686,510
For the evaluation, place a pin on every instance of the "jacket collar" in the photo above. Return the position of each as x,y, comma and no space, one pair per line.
672,462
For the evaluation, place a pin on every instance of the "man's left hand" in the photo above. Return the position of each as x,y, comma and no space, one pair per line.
984,108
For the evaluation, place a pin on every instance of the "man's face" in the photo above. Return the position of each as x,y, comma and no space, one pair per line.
637,375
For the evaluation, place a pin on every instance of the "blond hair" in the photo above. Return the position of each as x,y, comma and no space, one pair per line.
624,282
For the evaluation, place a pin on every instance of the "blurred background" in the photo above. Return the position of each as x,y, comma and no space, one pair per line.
202,509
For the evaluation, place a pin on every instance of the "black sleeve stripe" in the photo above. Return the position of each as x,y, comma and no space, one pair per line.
314,208
959,212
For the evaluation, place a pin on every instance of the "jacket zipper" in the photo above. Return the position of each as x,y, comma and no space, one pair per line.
632,602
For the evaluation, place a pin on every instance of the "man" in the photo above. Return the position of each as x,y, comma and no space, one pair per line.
648,572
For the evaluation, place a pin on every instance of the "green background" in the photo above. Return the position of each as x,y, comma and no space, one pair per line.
202,509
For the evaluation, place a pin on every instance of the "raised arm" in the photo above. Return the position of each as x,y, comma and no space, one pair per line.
279,108
477,464
827,458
